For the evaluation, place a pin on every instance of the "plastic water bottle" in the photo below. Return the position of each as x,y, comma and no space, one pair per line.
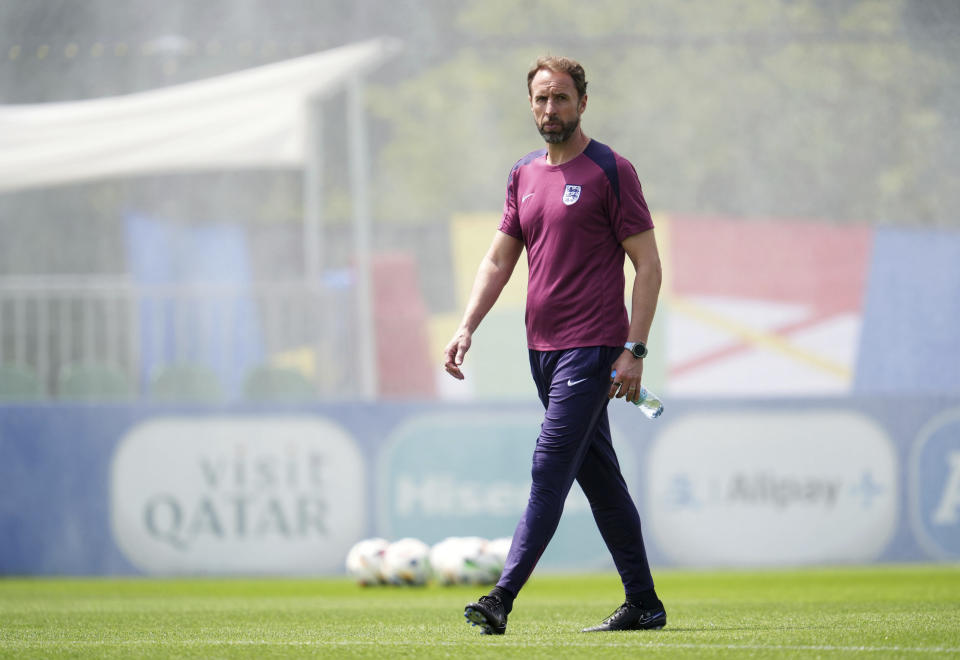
648,402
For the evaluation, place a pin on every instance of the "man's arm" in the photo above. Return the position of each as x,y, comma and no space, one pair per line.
492,275
642,250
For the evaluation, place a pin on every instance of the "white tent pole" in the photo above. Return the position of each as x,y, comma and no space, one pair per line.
360,190
312,189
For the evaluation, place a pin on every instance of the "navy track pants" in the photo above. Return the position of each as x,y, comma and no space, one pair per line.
575,443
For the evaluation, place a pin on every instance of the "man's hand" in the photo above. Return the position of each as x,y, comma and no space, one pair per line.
492,275
455,351
625,378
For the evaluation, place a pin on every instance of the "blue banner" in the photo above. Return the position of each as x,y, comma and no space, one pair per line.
163,253
164,490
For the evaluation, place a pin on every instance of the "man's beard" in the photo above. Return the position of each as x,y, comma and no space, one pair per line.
567,129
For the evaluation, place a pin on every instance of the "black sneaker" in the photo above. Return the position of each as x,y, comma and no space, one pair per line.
489,614
632,617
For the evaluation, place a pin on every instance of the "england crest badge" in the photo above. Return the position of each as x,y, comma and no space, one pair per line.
571,194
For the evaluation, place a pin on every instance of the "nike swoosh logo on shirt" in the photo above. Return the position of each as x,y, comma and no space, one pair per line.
526,196
571,382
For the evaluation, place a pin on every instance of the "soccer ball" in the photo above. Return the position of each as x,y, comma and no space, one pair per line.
499,549
365,561
465,560
407,561
477,564
445,560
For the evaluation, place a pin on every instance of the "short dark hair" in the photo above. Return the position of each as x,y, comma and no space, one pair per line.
560,65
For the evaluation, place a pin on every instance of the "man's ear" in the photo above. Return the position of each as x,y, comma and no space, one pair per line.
583,103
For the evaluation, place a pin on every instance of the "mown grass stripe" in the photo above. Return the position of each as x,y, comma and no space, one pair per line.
486,642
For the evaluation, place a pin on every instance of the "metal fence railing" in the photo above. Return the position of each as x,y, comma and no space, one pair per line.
50,325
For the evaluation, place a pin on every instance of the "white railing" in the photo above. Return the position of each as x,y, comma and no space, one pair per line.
48,323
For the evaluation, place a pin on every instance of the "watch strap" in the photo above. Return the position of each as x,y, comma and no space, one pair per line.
637,348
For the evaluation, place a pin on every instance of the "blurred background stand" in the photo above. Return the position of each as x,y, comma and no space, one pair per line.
266,117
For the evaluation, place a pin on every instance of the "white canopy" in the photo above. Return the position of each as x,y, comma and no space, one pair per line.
251,118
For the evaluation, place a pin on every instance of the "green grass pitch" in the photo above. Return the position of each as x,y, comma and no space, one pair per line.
889,611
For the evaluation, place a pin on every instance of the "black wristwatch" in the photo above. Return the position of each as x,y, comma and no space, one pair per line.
637,348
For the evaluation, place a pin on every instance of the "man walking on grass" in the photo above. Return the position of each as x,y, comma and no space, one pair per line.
578,208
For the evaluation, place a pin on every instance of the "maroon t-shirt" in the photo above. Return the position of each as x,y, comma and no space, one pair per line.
572,219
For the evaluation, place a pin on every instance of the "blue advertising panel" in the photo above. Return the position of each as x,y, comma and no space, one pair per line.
161,490
934,483
909,336
468,474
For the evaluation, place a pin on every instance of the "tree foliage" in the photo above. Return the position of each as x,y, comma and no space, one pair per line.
800,108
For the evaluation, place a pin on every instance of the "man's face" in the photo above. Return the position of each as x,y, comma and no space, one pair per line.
555,105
